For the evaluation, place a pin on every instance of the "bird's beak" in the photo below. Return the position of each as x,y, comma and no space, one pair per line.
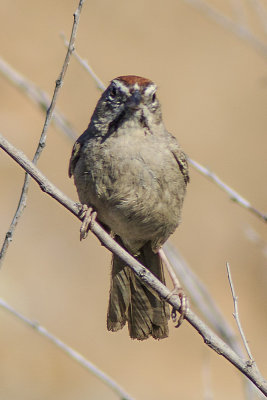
134,100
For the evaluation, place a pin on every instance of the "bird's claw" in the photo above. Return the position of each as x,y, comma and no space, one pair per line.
89,217
184,307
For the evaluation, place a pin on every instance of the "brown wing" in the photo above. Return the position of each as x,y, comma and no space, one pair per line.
75,155
181,159
179,156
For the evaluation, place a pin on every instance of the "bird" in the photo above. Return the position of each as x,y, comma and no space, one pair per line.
133,174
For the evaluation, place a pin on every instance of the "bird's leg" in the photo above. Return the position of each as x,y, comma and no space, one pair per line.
89,216
177,290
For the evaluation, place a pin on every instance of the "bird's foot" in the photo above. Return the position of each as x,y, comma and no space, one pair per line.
184,307
89,217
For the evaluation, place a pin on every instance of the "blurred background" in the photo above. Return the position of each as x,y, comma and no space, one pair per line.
213,90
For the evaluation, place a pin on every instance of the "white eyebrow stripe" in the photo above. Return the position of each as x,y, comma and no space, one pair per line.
122,86
150,89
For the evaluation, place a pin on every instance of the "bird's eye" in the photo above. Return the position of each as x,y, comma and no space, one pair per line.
113,92
153,97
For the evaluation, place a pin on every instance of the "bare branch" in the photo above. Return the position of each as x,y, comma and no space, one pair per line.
69,351
234,196
239,11
202,299
236,315
37,95
85,65
239,30
255,238
42,141
204,302
210,338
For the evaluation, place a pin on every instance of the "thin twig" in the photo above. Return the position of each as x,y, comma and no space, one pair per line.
234,196
37,95
69,351
236,315
42,141
239,30
210,338
85,65
204,302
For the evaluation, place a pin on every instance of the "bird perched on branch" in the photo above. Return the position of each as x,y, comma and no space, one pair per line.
132,174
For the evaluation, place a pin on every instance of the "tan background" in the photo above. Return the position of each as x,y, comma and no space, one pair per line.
213,88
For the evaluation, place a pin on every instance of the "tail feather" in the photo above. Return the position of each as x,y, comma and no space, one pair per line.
133,302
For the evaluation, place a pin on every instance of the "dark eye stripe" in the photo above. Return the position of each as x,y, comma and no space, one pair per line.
113,92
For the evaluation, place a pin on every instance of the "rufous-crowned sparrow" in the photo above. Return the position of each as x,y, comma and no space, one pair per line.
133,172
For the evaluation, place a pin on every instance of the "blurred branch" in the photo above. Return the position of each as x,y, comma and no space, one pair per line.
236,314
234,196
238,9
255,238
261,11
69,351
238,29
42,141
85,65
210,338
37,95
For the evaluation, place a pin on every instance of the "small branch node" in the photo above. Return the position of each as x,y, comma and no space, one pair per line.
142,273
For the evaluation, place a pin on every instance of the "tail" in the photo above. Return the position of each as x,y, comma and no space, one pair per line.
133,302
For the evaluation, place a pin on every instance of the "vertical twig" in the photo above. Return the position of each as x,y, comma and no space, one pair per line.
42,141
236,315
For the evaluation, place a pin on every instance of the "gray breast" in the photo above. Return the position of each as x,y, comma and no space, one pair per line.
136,189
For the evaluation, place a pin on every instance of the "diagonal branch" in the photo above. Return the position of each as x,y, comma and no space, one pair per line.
200,297
234,196
86,66
69,351
42,141
238,29
36,95
249,369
